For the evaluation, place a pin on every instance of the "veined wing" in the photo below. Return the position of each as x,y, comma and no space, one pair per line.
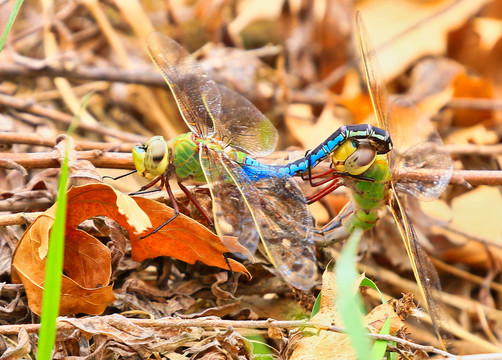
373,74
197,95
417,145
242,126
420,147
272,210
424,271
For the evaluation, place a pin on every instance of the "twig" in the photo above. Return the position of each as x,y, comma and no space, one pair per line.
212,323
44,160
124,161
35,139
143,76
62,118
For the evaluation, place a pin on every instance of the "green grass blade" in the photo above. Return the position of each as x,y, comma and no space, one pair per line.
10,22
317,305
55,255
369,283
380,346
348,300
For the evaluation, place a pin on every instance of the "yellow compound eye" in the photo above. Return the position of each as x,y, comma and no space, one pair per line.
353,157
361,159
152,157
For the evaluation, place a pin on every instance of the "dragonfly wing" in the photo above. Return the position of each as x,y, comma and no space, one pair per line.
373,74
423,143
419,147
232,215
196,94
272,210
423,269
243,126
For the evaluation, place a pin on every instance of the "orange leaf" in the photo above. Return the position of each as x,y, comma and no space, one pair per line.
87,265
183,238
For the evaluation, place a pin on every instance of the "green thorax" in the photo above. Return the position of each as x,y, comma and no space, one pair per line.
369,196
185,157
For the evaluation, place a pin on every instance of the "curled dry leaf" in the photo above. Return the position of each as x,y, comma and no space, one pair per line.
183,238
21,350
87,265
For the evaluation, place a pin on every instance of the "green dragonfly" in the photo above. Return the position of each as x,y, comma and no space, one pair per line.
416,146
226,131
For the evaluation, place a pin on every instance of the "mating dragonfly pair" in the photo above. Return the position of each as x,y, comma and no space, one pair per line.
254,201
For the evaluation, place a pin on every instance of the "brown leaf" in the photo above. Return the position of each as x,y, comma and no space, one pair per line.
87,265
21,350
183,238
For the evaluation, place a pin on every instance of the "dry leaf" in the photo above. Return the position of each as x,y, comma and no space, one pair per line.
183,238
477,212
87,265
407,38
332,345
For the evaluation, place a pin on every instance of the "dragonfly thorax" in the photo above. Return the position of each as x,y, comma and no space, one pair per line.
354,157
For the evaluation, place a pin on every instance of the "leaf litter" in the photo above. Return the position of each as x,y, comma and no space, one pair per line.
443,55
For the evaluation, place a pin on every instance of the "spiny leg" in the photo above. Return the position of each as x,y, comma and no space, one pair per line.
196,203
325,191
120,176
165,183
203,211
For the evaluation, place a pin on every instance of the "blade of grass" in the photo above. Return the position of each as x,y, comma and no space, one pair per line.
369,283
380,346
10,22
55,255
348,301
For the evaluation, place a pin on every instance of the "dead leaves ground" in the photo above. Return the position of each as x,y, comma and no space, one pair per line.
448,64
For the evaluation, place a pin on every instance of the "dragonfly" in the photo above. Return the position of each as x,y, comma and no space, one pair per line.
250,200
416,146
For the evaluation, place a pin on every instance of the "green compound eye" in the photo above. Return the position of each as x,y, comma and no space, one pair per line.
152,157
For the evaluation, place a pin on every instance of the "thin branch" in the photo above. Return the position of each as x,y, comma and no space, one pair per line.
45,160
143,76
62,118
108,160
11,138
71,324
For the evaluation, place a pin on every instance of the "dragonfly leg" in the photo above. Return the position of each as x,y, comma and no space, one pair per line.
120,176
165,183
196,203
153,182
325,191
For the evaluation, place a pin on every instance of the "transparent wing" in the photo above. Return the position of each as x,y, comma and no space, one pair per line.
424,271
418,147
272,210
197,96
243,126
374,77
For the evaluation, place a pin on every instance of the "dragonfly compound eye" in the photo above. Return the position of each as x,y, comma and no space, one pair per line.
361,159
151,158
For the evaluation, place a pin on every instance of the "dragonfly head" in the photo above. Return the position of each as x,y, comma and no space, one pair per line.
152,157
354,156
